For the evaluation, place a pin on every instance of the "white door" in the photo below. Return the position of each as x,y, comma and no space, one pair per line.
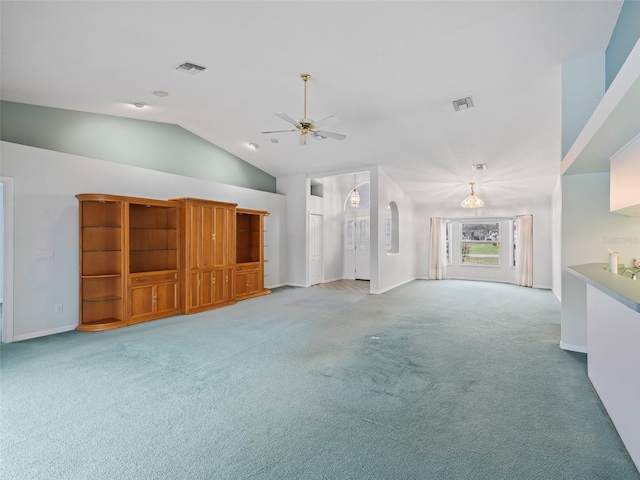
357,249
315,249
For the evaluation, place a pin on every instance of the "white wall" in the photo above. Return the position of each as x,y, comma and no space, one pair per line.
295,189
625,178
539,207
1,241
588,231
390,271
46,219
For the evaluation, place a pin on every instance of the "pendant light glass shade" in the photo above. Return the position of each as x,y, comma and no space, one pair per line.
472,201
354,196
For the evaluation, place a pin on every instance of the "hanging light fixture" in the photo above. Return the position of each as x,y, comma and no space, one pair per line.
472,201
354,196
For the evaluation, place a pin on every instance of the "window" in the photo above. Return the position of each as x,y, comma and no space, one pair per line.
393,229
480,243
514,237
447,242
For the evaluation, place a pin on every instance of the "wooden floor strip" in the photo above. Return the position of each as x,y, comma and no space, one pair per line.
352,286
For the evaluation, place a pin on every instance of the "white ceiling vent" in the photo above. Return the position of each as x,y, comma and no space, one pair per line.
479,166
191,68
463,104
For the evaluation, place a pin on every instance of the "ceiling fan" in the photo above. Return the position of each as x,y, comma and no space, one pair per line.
306,126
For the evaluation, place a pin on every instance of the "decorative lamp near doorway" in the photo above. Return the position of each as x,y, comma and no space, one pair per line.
354,196
472,201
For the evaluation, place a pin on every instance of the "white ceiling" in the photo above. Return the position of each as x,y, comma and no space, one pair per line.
388,70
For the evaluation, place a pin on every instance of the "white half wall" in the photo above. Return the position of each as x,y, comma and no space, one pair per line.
46,219
391,270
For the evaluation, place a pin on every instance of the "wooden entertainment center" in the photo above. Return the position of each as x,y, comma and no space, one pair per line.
143,259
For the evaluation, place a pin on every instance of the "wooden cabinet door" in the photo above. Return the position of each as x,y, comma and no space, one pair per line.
207,288
253,282
166,298
222,227
194,226
194,289
223,285
208,236
141,301
241,284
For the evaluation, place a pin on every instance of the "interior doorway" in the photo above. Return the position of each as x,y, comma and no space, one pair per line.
315,249
357,249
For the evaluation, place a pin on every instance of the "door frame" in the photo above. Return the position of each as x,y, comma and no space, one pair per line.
8,245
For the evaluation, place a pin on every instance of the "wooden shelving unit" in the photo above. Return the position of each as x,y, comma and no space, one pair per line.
249,275
128,260
143,259
101,263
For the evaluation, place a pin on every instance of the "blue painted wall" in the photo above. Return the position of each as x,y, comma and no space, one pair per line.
156,146
624,37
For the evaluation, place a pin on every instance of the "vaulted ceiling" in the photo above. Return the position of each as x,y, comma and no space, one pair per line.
388,70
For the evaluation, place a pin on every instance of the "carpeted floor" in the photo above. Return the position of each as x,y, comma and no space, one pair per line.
433,380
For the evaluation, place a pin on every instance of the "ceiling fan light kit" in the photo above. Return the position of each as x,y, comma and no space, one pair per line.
306,126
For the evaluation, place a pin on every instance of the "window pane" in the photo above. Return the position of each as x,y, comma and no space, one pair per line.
480,253
480,243
481,231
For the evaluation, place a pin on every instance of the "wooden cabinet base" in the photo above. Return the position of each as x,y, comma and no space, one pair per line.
103,324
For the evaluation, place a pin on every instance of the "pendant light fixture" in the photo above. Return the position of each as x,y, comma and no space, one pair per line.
354,196
472,201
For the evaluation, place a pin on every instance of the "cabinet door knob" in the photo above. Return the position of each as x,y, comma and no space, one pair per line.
213,280
155,299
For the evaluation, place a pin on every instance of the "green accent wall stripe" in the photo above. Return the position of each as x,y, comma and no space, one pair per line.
624,37
141,143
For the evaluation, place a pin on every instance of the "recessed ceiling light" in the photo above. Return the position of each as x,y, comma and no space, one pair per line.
139,104
160,93
254,146
275,140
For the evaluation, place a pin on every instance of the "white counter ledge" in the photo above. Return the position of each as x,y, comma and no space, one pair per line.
613,348
620,288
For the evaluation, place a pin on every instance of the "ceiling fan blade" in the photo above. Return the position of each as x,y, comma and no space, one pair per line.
303,140
330,120
336,136
281,131
287,118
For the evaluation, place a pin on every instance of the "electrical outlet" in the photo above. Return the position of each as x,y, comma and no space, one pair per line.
58,308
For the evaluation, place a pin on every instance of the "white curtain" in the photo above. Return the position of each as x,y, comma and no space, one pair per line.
437,249
524,250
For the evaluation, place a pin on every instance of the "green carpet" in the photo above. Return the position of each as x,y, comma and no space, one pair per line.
433,380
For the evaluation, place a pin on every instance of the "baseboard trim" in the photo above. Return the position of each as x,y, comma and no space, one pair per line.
378,292
573,348
543,287
276,285
43,333
299,285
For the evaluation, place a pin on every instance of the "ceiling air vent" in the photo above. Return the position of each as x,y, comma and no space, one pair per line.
479,166
463,104
191,68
